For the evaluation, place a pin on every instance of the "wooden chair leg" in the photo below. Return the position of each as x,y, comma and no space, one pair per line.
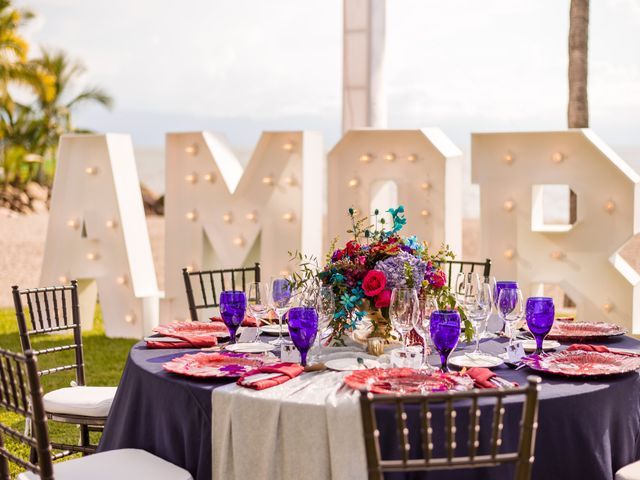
85,439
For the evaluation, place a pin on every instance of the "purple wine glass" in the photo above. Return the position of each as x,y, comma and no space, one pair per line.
540,314
233,305
444,328
303,327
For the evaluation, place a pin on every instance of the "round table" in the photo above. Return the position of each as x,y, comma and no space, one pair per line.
587,428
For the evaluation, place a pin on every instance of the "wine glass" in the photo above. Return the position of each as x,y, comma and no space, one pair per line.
233,305
445,333
426,305
303,328
326,307
280,298
403,307
478,309
511,308
258,303
496,293
540,314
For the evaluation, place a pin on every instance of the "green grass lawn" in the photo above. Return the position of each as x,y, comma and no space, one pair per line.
104,360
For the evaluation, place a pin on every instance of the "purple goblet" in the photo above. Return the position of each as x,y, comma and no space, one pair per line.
303,327
540,314
444,328
233,305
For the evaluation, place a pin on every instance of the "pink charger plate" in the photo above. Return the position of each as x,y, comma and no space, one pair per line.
216,365
406,380
577,331
580,363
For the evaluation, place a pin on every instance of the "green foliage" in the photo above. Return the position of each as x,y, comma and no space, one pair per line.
29,134
104,361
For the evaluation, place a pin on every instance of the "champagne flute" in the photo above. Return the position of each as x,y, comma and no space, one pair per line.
326,307
258,303
478,308
426,305
403,307
280,297
511,308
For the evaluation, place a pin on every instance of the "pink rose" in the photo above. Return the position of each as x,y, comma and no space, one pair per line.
361,260
373,283
438,279
383,299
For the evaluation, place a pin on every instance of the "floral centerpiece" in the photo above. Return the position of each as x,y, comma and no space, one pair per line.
377,260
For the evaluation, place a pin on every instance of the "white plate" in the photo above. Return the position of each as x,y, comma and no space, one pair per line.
484,361
349,364
250,347
273,329
530,345
162,339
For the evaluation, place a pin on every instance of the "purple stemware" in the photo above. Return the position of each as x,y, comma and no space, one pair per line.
233,305
540,314
444,328
303,327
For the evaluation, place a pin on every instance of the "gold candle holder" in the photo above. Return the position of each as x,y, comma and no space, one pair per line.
375,346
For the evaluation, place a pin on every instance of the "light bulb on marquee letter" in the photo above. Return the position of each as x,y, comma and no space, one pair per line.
91,170
227,217
192,149
610,206
210,177
129,318
111,223
121,280
508,158
73,223
63,279
353,183
239,241
288,146
268,180
557,157
92,256
412,158
508,205
424,212
425,186
191,215
509,254
288,217
365,158
390,157
252,216
191,178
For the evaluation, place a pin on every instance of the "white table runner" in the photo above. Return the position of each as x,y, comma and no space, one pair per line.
303,428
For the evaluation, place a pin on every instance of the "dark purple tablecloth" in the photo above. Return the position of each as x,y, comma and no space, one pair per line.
587,429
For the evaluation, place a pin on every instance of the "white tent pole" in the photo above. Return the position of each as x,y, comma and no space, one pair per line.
364,103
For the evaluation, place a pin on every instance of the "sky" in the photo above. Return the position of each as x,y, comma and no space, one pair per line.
239,67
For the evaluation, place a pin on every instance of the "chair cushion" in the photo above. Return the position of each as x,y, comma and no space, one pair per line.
629,472
84,401
125,464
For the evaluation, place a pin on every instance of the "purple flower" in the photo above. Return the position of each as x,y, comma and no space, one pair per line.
394,270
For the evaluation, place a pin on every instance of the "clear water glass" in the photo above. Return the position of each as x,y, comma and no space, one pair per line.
403,307
427,304
510,308
281,294
478,308
326,307
258,303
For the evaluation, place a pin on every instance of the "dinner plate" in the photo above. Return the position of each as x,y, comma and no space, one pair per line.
250,347
350,364
581,363
470,361
216,365
406,380
572,331
530,345
274,329
163,339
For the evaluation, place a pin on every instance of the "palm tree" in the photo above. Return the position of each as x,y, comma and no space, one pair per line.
56,99
578,111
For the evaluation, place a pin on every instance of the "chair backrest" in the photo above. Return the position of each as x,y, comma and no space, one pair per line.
453,267
21,393
449,456
204,287
51,310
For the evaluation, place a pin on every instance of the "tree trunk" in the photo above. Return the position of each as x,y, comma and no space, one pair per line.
578,111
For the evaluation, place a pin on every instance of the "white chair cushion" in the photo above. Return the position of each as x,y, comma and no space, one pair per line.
629,472
85,401
125,464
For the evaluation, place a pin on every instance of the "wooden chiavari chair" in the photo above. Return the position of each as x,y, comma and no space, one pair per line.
203,287
57,310
21,393
475,454
453,267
